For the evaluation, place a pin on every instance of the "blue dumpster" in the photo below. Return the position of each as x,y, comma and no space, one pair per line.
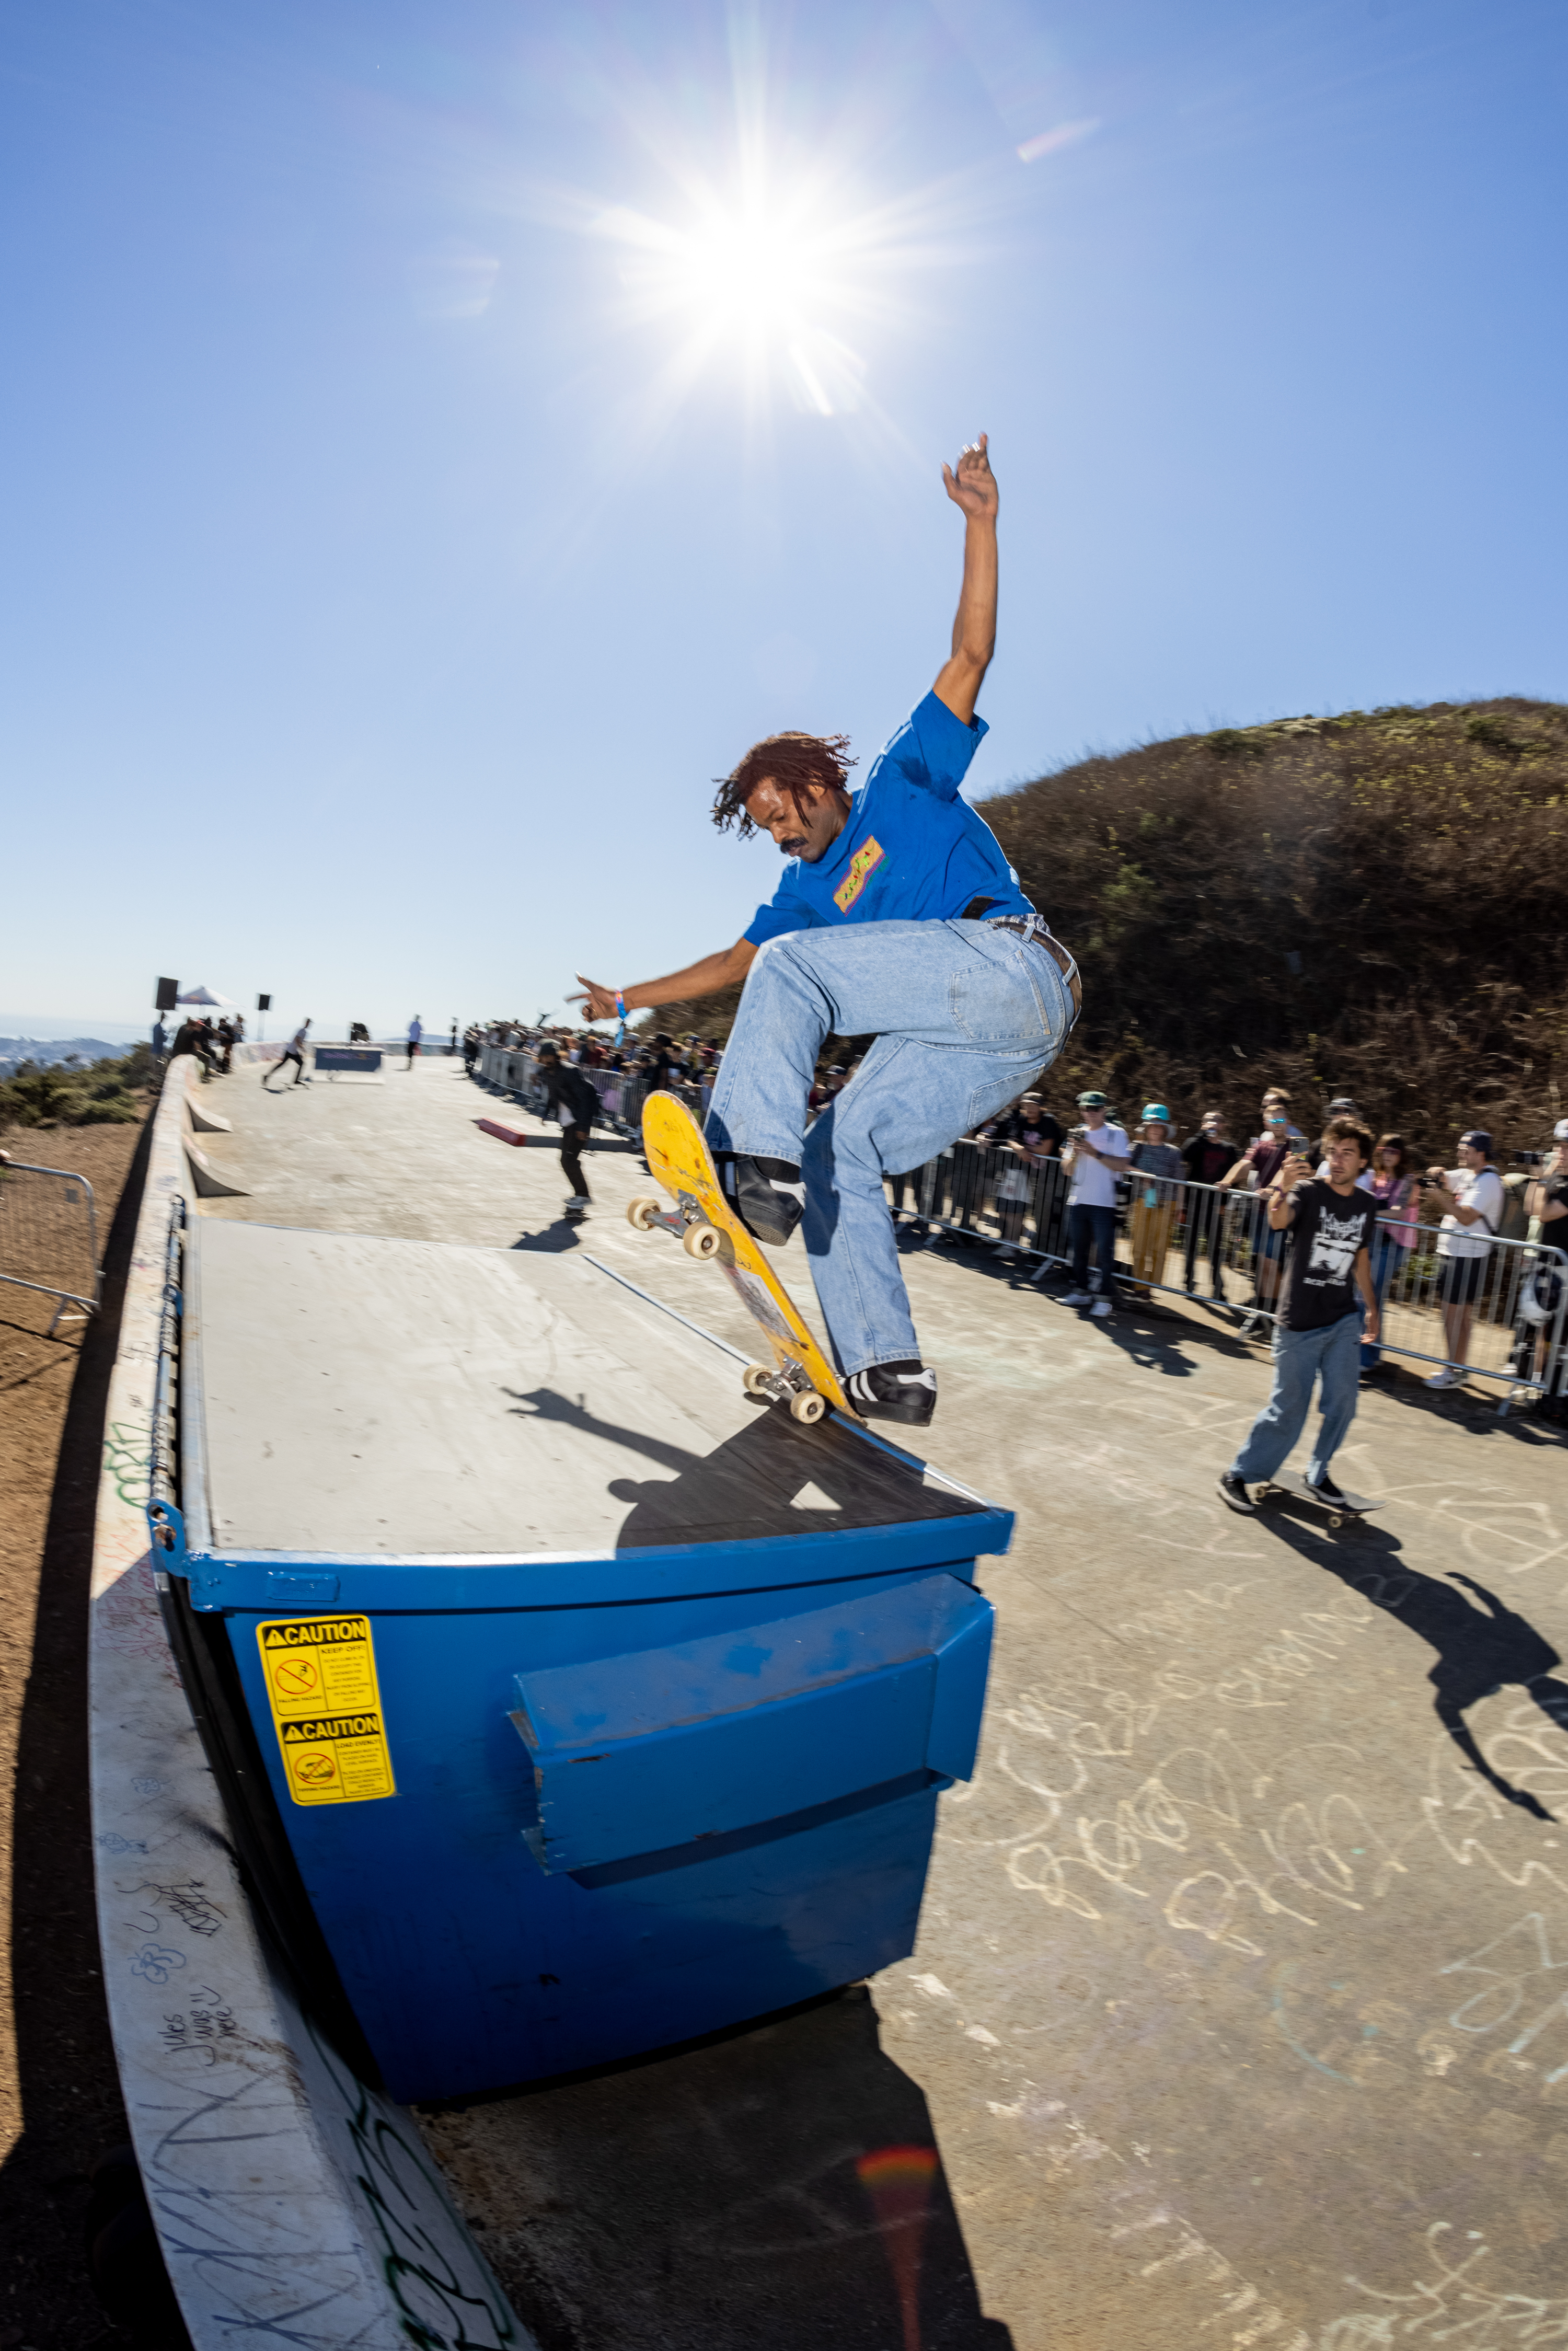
567,1702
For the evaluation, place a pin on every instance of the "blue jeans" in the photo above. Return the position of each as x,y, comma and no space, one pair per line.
1387,1257
1086,1224
1299,1357
965,1015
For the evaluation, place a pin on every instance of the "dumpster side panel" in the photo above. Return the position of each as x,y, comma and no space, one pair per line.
469,1968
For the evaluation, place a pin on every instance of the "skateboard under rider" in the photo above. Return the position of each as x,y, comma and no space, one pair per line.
707,1227
1293,1483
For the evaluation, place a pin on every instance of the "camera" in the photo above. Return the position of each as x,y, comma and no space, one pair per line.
1530,1159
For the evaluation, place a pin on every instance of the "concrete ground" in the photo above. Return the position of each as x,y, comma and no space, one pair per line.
1223,1827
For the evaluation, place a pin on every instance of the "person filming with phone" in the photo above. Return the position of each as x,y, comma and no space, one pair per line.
1330,1225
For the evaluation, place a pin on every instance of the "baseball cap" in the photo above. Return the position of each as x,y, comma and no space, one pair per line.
1479,1138
1560,1132
1158,1110
1092,1102
1341,1101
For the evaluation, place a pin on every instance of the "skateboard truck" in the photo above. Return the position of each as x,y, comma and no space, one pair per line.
785,1384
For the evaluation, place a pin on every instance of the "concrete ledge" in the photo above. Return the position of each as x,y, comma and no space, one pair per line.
206,1122
278,2183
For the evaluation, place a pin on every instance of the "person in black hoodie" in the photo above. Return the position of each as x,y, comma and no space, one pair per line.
1208,1155
570,1096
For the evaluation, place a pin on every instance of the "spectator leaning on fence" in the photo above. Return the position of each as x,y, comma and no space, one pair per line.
1157,1167
1395,1189
1208,1157
1096,1152
1026,1139
1276,1098
1256,1170
1469,1198
1331,1226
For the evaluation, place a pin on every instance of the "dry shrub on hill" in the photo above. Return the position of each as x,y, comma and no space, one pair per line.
1374,904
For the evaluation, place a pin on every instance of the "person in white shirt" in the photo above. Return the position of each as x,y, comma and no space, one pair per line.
293,1051
1096,1154
1469,1199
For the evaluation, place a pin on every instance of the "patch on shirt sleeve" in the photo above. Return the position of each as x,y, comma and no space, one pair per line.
863,864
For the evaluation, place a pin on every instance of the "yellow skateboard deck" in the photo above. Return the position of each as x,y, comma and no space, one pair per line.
708,1227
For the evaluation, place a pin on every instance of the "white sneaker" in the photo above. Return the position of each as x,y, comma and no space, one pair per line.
1102,1306
1450,1376
1079,1298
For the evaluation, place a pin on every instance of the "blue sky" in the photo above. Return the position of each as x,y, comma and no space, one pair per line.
437,440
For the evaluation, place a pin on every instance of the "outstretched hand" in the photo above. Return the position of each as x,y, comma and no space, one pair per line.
599,1002
974,486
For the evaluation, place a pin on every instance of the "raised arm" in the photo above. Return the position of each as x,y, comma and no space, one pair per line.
973,487
727,968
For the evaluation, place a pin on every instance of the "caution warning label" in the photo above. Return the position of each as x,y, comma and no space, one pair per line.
321,1676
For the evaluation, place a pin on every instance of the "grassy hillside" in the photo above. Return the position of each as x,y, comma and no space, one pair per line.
1374,904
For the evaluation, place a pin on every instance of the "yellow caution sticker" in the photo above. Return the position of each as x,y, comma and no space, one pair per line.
320,1673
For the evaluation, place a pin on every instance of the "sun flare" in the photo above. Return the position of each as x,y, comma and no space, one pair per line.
759,284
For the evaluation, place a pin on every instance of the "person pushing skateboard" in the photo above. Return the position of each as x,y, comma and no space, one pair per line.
898,915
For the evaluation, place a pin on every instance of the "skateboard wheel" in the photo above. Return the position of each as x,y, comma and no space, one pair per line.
702,1241
808,1406
642,1212
756,1379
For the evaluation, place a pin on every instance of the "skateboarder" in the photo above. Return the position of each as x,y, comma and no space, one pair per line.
1332,1226
572,1097
898,916
293,1051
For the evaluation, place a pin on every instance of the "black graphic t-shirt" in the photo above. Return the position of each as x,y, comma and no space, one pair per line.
1326,1239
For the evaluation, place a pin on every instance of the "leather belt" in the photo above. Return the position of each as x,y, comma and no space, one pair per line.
1030,927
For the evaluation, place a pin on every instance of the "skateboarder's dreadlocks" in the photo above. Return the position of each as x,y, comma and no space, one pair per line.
800,765
899,917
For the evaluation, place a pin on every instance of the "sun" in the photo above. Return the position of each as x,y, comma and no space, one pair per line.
750,274
761,284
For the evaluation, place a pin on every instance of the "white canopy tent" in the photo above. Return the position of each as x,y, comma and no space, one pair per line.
205,996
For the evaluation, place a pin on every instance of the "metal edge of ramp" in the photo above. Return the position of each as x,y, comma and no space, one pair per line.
290,2202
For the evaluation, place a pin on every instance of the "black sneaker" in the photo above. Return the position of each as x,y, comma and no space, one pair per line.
767,1195
905,1391
1323,1487
1233,1493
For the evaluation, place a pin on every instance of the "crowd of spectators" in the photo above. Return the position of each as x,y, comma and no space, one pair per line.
1149,1191
212,1042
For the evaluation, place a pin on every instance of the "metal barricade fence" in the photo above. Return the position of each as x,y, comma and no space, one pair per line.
1513,1298
512,1070
48,1237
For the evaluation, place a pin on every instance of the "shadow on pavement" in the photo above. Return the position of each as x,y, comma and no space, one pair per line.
772,2188
1479,1650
